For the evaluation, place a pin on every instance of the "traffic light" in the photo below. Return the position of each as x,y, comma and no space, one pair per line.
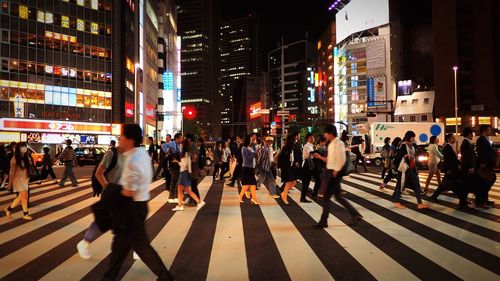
189,112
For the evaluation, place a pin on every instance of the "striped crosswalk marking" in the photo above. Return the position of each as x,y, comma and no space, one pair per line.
231,241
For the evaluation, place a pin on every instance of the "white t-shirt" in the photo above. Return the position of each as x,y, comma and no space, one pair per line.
226,154
137,173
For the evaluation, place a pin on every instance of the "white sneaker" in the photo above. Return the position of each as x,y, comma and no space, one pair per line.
83,249
135,256
178,208
170,201
176,200
200,205
186,201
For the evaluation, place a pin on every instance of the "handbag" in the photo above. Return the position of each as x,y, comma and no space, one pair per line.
403,167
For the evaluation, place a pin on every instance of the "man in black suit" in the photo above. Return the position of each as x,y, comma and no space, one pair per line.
485,165
468,173
450,167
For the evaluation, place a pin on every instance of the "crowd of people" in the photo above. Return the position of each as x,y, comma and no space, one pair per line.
124,175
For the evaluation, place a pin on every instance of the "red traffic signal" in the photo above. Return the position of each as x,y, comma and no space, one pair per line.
189,113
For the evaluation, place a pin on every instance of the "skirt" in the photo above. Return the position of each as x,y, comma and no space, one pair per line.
433,167
248,176
288,174
184,179
20,185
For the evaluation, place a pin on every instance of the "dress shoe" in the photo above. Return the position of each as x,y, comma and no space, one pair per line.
320,225
465,208
304,200
356,220
433,199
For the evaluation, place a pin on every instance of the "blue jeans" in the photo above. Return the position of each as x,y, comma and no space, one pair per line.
263,175
92,232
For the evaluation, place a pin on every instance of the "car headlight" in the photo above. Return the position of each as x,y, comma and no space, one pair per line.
422,158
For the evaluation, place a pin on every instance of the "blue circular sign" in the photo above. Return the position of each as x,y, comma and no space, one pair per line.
423,137
435,130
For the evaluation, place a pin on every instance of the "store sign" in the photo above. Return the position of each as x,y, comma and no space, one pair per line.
116,129
61,138
30,125
33,137
150,111
129,110
168,80
105,140
10,136
375,88
255,110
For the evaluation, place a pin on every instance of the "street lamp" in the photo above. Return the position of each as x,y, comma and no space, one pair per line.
455,69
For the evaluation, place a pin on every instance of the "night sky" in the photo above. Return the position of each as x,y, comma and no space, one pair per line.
288,18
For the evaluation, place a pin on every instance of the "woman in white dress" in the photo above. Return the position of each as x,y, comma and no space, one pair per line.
20,168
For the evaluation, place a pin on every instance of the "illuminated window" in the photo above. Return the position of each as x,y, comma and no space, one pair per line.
80,25
40,16
95,4
65,21
49,17
79,2
94,28
23,12
130,66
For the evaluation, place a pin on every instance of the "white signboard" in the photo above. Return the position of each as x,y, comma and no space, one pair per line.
361,15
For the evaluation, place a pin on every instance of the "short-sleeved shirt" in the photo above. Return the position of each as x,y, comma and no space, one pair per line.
137,173
115,173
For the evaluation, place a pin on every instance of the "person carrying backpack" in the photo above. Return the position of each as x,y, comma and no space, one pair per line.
108,171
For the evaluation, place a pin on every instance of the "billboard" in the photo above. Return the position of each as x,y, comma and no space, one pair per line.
361,15
375,88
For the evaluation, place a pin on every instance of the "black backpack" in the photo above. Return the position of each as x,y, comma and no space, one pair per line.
96,185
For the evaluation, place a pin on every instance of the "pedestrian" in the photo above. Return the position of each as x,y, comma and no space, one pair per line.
203,154
319,165
47,166
161,162
435,157
20,171
359,151
165,149
393,169
297,152
226,156
195,167
468,173
384,154
248,172
4,166
345,138
485,165
108,171
173,156
451,168
218,152
131,232
184,183
264,165
239,161
335,163
307,167
286,163
152,151
407,172
68,157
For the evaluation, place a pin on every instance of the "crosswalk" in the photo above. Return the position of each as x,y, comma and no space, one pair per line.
227,240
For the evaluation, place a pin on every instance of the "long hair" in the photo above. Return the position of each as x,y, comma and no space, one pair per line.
246,141
290,141
22,161
396,141
409,135
186,147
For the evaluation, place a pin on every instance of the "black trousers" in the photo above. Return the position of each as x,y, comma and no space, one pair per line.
134,237
317,182
224,169
194,186
450,182
236,173
334,189
391,174
356,161
174,174
482,189
306,180
45,173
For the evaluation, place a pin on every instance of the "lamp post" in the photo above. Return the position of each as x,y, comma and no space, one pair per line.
282,92
455,69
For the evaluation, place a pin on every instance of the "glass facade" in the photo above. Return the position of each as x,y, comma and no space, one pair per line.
55,60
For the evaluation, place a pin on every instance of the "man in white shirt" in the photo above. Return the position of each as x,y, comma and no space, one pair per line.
135,180
335,162
307,166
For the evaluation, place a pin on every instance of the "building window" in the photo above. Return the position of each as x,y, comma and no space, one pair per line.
426,100
423,118
40,16
5,35
95,4
413,118
5,64
65,21
79,2
49,17
414,101
404,102
401,119
94,28
23,12
5,7
80,25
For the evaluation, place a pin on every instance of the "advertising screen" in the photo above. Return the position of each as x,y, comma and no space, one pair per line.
361,15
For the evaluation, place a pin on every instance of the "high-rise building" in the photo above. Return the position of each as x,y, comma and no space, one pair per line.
77,69
324,69
300,97
466,36
198,23
169,67
240,56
